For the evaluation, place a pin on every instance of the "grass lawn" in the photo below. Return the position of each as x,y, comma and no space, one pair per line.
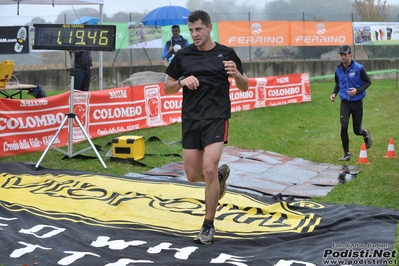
310,131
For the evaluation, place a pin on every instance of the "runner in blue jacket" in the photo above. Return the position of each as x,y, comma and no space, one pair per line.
351,82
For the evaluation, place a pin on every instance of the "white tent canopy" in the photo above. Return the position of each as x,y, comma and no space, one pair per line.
65,2
52,2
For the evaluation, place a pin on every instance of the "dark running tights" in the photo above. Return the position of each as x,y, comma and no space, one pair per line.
346,110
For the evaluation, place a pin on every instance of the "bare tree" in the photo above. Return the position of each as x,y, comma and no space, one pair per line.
371,10
37,20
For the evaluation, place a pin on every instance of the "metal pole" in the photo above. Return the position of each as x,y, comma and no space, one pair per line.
71,116
304,47
354,44
101,57
250,47
71,97
130,50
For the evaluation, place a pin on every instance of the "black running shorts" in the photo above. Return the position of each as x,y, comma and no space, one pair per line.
198,134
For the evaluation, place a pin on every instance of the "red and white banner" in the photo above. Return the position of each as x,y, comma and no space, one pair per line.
29,125
271,91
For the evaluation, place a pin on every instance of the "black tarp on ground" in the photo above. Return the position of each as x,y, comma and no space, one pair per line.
56,217
268,173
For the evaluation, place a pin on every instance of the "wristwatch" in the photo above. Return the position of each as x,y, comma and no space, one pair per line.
178,81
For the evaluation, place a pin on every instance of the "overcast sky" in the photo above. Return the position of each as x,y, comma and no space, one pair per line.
110,7
114,6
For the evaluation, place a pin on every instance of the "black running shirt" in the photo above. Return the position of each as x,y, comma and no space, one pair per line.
211,99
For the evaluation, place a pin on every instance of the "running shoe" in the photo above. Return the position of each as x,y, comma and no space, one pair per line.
223,174
367,139
346,157
206,235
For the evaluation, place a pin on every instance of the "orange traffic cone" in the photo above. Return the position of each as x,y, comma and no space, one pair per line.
391,150
363,155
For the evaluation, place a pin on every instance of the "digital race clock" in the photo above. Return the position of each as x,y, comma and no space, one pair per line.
74,37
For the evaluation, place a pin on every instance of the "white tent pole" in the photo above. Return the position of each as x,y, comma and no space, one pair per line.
100,70
66,2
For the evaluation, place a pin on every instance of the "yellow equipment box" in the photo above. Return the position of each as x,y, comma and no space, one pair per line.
128,147
6,70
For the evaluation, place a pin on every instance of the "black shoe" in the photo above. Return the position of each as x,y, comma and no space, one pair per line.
367,139
346,157
223,174
206,235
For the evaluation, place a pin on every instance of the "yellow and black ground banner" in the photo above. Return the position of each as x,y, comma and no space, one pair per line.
56,217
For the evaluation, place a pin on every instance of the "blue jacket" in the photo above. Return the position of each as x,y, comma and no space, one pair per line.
353,77
181,41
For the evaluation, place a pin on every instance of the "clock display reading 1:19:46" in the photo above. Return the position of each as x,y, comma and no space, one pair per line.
83,37
74,37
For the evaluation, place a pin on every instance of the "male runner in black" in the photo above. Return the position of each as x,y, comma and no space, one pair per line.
203,69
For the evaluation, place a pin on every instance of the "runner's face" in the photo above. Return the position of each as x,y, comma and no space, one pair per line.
199,33
345,58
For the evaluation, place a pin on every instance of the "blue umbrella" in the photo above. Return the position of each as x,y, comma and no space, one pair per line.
166,15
